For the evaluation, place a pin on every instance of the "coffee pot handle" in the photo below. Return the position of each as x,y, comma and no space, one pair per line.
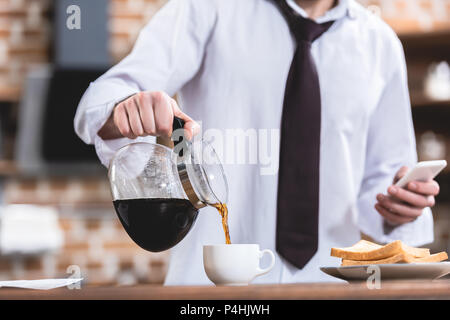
178,123
178,138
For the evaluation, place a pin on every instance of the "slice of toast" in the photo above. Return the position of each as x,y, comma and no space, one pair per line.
398,258
366,250
437,257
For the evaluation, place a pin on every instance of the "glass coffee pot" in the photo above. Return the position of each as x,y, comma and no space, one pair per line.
157,191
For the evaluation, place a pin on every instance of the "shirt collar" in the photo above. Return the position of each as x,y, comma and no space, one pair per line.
342,9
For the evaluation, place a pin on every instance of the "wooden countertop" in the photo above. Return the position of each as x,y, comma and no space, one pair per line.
439,289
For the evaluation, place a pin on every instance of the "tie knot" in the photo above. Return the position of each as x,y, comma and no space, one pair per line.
304,29
307,30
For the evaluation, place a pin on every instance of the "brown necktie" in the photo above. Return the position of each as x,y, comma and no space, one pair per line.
298,180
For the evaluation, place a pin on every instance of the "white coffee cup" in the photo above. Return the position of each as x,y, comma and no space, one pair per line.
234,264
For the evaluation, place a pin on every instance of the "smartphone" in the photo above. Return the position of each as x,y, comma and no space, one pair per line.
422,171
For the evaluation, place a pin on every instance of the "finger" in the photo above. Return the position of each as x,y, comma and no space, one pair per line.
134,118
413,199
121,121
400,173
430,188
163,114
391,217
191,127
146,113
398,208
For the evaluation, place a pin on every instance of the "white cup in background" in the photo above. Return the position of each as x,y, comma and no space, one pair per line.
234,264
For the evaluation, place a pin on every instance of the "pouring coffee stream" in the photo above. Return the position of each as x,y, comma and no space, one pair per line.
158,192
223,211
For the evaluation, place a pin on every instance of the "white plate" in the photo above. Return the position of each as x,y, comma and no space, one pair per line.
429,271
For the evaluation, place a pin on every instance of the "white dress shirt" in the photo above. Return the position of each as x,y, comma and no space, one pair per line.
228,61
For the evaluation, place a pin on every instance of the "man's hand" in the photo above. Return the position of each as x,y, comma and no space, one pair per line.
402,205
146,113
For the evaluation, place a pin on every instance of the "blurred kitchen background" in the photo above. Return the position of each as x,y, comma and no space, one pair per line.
55,203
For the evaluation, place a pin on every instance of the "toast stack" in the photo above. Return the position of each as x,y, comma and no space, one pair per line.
365,253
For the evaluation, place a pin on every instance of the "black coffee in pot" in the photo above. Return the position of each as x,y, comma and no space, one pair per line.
156,224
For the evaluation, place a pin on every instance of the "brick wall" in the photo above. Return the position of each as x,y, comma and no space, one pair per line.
94,239
127,19
412,15
99,247
24,40
441,215
25,30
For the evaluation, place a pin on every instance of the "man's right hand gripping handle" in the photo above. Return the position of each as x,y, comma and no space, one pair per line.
146,114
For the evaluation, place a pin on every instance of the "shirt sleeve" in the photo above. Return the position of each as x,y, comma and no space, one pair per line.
167,54
390,145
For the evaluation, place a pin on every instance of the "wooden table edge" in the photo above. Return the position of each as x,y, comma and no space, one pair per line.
439,289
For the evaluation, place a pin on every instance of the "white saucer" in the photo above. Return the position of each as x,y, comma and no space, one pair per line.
399,271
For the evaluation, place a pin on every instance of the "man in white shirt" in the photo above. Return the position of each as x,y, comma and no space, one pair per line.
228,60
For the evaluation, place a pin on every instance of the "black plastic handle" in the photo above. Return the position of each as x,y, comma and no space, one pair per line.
178,123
